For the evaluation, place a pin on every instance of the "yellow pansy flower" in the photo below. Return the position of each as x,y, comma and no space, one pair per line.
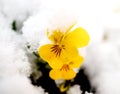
64,44
66,71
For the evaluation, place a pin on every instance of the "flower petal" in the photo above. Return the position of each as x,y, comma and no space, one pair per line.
76,62
55,74
67,75
49,56
56,61
69,52
78,37
58,74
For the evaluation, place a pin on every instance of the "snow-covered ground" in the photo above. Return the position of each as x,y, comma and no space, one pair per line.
34,17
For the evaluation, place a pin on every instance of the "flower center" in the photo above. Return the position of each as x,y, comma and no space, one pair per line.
65,67
57,49
57,36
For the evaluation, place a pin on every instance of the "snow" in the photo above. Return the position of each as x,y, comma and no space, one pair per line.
18,84
13,58
15,67
19,10
103,63
34,31
88,93
74,90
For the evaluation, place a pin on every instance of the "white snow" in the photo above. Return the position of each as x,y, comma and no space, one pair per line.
13,58
103,63
18,84
19,10
74,90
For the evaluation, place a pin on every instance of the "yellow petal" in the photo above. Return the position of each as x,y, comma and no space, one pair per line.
78,37
62,74
49,56
69,52
55,74
67,75
55,63
56,60
76,62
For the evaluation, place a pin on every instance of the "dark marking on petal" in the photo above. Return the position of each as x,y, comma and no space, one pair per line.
65,67
57,50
